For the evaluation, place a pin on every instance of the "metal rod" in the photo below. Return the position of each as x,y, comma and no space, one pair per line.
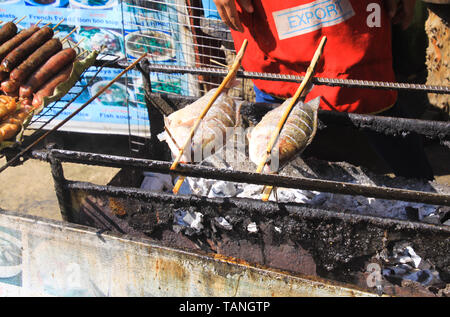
56,127
349,83
247,177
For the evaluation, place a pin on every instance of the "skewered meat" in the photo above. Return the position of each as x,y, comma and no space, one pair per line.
11,126
20,53
46,71
297,133
7,31
7,106
14,42
212,130
48,88
39,57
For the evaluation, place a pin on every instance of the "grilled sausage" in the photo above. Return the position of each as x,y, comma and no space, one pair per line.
47,71
21,37
7,31
48,89
39,57
19,54
3,76
10,86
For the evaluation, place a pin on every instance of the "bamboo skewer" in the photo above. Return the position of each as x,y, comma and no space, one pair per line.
20,20
79,42
37,23
224,85
65,38
298,94
58,24
47,24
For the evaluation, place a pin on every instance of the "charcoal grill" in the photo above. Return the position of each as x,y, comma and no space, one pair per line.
298,238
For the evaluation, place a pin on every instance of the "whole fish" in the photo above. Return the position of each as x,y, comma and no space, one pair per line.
296,134
210,135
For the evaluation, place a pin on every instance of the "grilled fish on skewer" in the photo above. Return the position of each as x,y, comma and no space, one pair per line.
297,133
221,116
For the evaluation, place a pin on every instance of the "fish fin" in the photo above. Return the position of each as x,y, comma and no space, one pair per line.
238,118
314,103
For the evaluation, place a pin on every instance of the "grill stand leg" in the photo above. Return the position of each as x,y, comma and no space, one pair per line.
60,184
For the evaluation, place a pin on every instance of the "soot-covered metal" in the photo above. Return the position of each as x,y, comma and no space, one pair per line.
293,237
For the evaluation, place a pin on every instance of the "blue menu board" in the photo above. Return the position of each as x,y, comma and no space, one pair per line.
126,30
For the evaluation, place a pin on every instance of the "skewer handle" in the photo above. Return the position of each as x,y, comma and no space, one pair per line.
65,37
224,85
20,20
58,24
299,93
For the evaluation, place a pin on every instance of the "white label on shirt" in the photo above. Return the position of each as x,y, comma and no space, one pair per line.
312,16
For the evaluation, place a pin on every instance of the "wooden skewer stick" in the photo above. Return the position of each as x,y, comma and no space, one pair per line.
82,53
299,93
58,24
79,42
20,20
37,23
65,37
55,33
224,85
218,63
47,24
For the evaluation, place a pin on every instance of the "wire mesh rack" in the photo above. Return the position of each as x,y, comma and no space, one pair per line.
175,32
49,116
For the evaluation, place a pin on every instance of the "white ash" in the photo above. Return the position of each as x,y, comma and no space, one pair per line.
157,182
402,263
340,203
317,169
252,227
187,219
223,223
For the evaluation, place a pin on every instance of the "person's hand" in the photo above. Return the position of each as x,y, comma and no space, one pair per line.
229,14
401,11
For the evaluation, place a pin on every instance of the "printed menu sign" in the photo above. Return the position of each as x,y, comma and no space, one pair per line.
120,30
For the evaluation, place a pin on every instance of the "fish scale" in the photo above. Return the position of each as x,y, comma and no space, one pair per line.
297,133
221,116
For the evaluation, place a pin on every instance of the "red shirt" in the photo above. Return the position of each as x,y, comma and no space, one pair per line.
284,34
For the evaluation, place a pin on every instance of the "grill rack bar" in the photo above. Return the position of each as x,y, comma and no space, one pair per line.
334,82
245,177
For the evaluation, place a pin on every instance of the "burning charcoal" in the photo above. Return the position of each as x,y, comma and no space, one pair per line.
223,223
412,213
